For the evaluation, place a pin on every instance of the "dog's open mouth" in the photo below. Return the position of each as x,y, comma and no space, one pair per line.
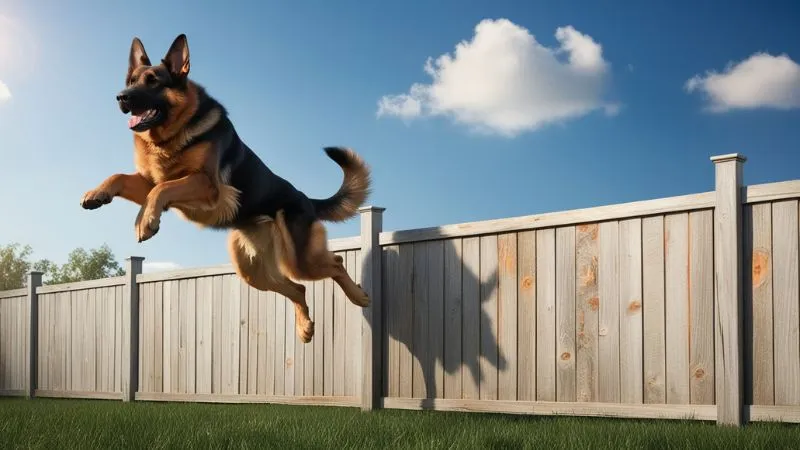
143,120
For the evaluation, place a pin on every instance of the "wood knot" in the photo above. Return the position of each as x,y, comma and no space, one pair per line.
594,303
634,306
760,266
289,362
565,356
527,282
589,276
699,373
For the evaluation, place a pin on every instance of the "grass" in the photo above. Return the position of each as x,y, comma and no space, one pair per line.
84,424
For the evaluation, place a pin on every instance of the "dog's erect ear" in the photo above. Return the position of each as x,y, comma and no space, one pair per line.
177,58
137,57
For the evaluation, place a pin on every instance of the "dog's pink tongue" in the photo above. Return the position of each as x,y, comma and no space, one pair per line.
133,121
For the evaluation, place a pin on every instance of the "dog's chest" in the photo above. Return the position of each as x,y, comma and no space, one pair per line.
158,165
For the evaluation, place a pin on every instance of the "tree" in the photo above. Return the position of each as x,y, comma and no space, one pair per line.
14,266
81,265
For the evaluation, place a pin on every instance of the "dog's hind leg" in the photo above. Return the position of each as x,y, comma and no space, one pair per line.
306,256
254,256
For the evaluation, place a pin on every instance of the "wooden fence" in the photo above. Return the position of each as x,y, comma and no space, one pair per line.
681,307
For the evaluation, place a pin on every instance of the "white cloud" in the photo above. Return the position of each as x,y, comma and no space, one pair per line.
5,93
505,82
159,266
760,81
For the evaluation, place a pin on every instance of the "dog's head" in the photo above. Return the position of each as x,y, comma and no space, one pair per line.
153,93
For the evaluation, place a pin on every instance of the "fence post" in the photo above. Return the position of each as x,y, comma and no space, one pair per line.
32,346
729,272
371,277
130,329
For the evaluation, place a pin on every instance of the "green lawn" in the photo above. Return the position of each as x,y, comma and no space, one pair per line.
52,423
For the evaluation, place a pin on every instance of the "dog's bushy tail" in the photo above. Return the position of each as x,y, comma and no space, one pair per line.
352,193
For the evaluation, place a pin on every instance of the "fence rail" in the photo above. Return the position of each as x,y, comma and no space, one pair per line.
680,307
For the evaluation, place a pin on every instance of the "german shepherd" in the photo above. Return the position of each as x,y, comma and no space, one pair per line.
189,158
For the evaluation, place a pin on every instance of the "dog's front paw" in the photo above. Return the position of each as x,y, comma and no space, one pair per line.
147,225
95,199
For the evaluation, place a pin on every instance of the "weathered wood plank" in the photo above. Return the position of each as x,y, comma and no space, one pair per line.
759,222
586,306
81,285
319,342
65,342
290,338
233,301
786,288
631,365
526,316
767,192
265,367
339,339
608,320
352,351
507,339
183,336
176,347
158,338
565,314
701,285
452,320
204,330
253,357
593,409
436,318
166,335
548,220
235,398
118,348
421,364
489,362
677,307
405,317
280,344
472,318
309,351
219,333
270,300
546,315
391,310
653,292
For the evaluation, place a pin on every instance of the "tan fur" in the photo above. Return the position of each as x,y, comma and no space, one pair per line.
318,262
131,187
254,253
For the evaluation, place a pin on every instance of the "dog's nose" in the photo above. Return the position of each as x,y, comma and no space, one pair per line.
123,97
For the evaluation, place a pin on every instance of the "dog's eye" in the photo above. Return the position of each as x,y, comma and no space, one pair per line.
132,80
150,79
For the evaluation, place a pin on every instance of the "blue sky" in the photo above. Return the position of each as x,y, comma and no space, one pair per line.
485,140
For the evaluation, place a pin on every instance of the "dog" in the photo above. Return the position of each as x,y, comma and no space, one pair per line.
189,158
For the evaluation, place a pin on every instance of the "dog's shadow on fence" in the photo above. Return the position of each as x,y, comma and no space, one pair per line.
441,319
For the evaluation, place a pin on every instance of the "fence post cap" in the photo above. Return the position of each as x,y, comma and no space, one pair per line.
134,258
371,208
729,157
